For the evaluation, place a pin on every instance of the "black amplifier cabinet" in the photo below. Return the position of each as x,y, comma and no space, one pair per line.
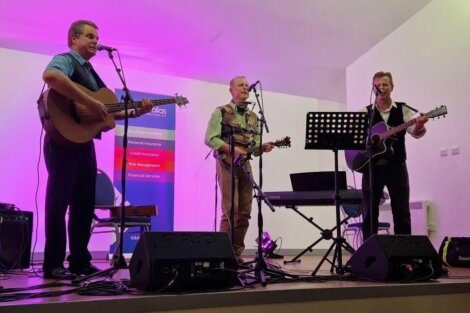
396,258
16,229
181,261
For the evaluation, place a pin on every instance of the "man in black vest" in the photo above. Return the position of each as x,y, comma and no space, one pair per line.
389,169
72,171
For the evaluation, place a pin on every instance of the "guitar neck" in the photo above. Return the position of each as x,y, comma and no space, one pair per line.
437,112
116,107
392,131
256,150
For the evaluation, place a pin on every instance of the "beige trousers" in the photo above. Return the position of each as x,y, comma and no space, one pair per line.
243,197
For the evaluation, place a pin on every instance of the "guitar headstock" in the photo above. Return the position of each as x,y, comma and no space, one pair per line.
284,142
437,112
180,100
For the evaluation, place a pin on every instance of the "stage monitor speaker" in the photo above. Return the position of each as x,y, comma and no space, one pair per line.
181,261
396,258
16,228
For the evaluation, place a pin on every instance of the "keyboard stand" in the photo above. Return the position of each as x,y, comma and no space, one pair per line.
326,234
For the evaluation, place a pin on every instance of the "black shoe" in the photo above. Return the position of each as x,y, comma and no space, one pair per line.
59,273
87,270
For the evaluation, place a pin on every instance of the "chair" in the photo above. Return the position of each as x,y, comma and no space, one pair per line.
354,211
105,199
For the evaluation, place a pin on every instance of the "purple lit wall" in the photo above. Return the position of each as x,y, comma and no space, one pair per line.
194,176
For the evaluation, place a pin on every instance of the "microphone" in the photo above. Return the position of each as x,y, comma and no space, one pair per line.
377,90
102,47
252,86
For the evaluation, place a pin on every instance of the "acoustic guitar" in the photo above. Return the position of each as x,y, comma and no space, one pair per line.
248,151
70,123
381,141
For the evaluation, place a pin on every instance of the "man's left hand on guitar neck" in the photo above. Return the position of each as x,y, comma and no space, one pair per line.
419,126
146,108
268,146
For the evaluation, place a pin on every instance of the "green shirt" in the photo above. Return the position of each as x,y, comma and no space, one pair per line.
213,138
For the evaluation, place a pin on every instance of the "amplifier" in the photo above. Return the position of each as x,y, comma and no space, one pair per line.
16,229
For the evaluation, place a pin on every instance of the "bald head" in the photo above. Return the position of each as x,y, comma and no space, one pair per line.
239,89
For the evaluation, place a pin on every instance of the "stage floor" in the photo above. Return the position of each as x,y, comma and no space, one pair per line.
325,292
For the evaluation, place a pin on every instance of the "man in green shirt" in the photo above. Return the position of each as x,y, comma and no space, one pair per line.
217,138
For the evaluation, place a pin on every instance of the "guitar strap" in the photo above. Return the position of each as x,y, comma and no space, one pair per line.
402,103
409,107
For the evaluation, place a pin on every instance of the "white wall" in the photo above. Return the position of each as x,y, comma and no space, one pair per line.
429,59
194,192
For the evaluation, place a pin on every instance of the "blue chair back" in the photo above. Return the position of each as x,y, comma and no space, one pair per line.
104,194
352,210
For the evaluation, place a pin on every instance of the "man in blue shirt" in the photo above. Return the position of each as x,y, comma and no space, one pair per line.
72,171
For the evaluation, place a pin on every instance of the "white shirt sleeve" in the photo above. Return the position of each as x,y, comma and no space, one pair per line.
408,115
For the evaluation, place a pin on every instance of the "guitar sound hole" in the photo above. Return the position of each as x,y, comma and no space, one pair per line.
74,112
375,140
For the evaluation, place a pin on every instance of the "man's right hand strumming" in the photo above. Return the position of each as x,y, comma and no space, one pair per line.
97,109
237,151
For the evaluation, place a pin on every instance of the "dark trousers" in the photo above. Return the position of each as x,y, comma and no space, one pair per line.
395,177
71,184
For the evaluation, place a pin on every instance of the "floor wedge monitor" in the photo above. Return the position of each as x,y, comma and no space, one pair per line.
182,261
396,258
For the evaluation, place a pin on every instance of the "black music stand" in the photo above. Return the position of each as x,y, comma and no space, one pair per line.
336,131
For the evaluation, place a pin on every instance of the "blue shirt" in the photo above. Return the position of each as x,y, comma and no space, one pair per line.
64,64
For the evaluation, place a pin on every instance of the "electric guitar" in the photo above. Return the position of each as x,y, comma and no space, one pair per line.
226,159
70,123
380,141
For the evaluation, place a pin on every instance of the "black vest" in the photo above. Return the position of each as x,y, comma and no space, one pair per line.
398,152
80,76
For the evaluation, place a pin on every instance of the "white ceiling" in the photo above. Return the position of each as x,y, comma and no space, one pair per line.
299,47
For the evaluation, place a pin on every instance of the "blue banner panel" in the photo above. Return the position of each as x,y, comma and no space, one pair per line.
150,168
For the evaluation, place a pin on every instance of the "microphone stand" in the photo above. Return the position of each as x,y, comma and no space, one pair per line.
260,263
232,181
233,161
370,167
261,266
118,261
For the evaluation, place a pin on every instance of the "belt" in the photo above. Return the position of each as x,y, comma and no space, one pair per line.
385,162
382,162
